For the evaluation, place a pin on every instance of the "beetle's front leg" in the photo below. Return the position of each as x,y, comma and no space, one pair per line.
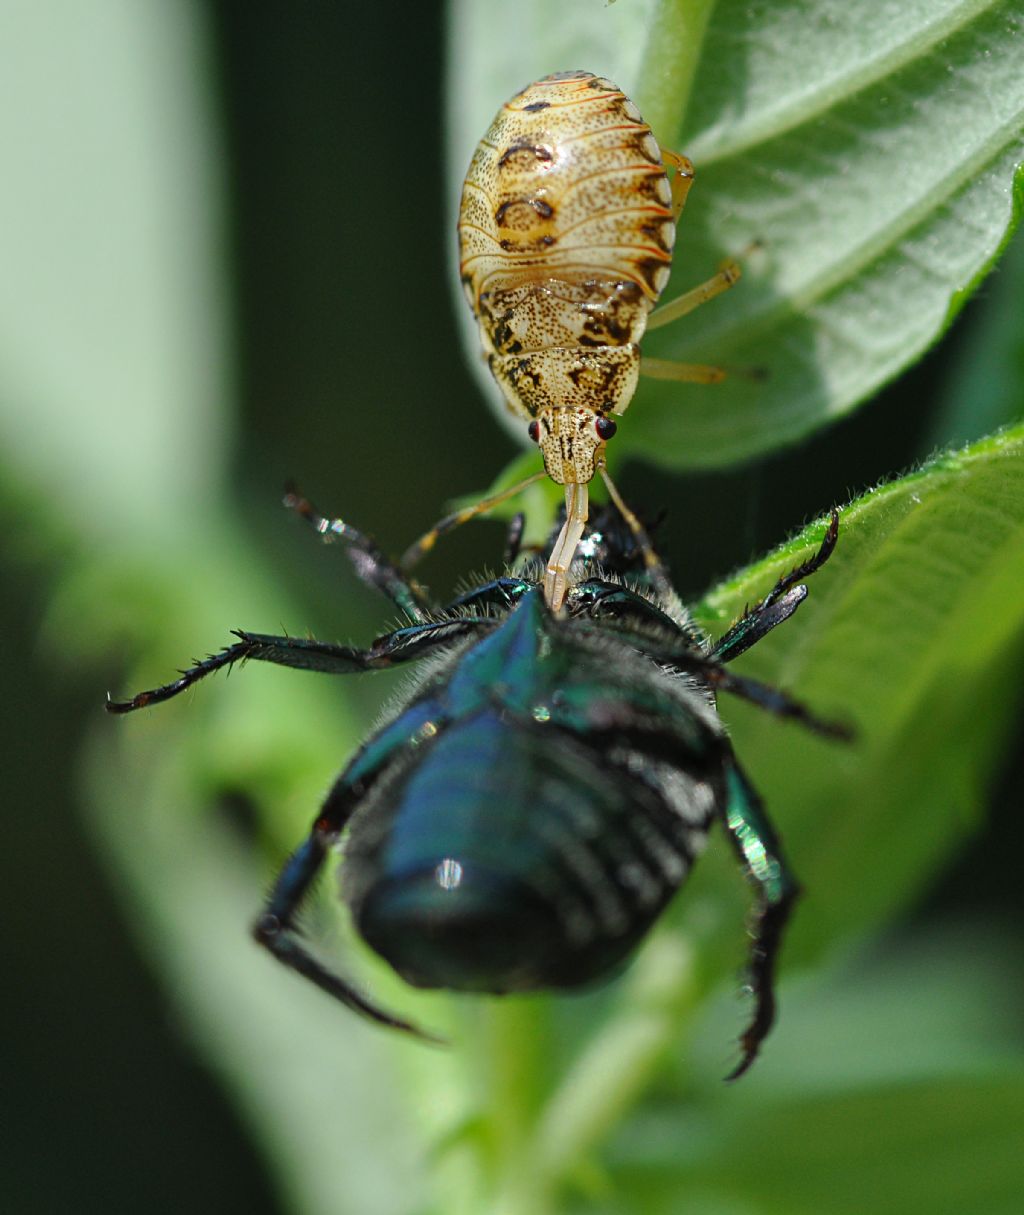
300,653
308,654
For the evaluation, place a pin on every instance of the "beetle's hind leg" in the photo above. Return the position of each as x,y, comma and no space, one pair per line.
759,849
275,929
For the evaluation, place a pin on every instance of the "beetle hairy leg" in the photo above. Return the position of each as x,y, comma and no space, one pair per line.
299,653
779,604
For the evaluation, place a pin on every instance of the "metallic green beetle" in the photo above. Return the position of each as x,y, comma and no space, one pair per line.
529,808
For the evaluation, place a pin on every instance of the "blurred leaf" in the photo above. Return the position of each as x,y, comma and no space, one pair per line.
113,341
872,158
113,413
930,1024
940,1148
933,1004
319,1089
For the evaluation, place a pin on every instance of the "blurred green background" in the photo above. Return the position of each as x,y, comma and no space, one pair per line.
322,262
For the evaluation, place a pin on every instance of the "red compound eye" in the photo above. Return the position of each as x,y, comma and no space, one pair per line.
533,430
605,427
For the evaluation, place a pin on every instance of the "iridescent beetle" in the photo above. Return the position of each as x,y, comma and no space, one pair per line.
566,230
527,810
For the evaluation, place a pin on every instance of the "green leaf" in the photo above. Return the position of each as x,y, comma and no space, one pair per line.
986,388
913,632
872,157
883,1073
940,1148
111,312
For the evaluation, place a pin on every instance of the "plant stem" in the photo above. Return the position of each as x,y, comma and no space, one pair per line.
618,1063
513,1047
669,65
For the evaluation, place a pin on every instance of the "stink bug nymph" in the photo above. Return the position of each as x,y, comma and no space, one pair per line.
525,813
566,231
